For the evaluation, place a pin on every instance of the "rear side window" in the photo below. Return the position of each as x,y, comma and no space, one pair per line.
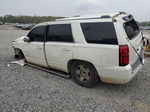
60,33
37,33
131,29
99,33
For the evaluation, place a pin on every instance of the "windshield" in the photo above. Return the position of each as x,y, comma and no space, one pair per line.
131,29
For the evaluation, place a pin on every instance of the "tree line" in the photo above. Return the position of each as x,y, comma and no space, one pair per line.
39,19
27,19
146,23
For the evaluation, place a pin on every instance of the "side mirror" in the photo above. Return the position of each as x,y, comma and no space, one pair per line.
26,39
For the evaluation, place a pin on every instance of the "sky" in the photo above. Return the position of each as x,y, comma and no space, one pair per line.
140,9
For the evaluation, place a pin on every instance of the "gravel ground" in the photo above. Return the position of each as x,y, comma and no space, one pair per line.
8,27
26,89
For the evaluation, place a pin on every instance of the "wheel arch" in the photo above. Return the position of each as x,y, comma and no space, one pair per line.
20,51
70,62
95,78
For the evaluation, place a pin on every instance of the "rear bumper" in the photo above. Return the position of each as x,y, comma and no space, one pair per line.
119,75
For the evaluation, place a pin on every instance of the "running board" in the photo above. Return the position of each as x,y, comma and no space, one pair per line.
58,73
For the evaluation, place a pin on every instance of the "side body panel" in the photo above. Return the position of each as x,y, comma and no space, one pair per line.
34,53
58,54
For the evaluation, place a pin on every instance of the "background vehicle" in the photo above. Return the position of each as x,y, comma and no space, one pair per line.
91,47
24,26
28,26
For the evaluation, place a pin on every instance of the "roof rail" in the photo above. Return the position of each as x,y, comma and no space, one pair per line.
81,18
103,17
92,16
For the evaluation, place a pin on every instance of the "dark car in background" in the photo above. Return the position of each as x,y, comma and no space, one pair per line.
28,26
24,26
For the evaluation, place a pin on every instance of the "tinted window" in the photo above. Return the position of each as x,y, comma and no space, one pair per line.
37,33
131,29
103,33
60,33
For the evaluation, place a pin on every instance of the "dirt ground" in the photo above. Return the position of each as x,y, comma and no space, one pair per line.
26,89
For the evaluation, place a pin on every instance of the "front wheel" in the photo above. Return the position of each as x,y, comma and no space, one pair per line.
84,74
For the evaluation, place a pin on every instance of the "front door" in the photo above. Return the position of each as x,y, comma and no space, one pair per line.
34,50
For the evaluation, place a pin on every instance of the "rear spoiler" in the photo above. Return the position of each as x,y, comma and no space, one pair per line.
113,18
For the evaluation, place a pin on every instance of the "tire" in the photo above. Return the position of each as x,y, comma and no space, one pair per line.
84,74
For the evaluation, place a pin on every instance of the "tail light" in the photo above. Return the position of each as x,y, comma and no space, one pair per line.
123,55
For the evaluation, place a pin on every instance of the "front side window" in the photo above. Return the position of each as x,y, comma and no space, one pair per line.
131,29
99,33
37,33
60,33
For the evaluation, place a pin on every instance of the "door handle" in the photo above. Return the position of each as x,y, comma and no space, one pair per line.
66,49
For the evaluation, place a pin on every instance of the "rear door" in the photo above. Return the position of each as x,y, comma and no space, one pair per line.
135,40
58,46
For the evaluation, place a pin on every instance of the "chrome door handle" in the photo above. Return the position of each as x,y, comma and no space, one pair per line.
66,49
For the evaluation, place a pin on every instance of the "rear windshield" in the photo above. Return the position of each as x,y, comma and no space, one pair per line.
99,33
131,29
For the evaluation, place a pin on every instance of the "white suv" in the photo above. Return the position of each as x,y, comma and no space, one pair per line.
92,47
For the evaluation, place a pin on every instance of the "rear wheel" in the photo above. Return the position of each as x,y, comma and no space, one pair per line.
84,74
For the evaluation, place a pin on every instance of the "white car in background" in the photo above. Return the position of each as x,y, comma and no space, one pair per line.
91,47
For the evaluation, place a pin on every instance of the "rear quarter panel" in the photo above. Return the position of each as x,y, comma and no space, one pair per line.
101,56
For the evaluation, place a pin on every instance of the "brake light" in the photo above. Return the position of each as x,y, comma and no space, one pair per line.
123,55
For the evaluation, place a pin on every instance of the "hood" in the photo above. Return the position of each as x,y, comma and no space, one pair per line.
19,39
